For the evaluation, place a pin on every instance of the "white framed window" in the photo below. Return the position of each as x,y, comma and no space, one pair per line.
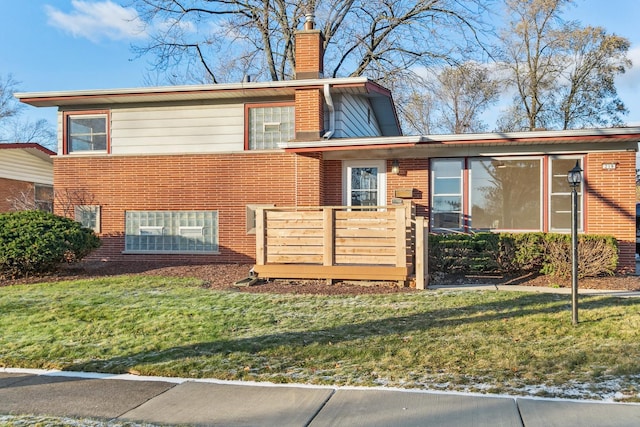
364,182
88,216
446,194
560,193
268,125
171,232
86,131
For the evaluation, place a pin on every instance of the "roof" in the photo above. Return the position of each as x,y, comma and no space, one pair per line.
31,148
379,97
629,135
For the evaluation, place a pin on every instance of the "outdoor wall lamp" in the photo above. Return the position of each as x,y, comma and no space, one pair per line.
574,177
395,167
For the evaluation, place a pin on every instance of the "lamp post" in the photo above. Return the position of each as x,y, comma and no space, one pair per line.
575,178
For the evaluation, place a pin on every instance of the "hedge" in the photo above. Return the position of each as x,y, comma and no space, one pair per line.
34,242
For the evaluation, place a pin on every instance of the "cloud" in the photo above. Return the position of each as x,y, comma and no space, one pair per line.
95,20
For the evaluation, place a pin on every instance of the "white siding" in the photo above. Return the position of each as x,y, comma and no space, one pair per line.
354,117
19,164
177,129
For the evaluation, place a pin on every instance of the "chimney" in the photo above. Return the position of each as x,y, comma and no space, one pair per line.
309,101
309,51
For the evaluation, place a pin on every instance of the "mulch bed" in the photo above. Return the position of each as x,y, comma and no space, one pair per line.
223,276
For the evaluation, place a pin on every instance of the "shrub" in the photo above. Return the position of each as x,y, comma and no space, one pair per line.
547,253
597,256
34,242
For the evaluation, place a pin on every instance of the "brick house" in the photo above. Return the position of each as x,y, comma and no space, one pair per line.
26,176
176,173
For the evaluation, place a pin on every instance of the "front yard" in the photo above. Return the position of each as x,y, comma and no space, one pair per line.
493,342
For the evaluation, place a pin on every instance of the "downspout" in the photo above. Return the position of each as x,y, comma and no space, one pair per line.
332,115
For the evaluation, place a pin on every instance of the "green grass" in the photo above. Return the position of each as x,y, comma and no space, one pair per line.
497,342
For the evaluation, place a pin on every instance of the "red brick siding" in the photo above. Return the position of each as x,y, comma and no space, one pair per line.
333,183
610,198
10,188
309,106
225,183
414,174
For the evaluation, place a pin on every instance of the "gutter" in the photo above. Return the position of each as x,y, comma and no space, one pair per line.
332,113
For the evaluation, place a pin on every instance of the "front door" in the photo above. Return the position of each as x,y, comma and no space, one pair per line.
364,182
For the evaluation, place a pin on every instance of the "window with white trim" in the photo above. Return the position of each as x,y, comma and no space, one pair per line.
560,193
269,125
446,193
251,216
86,132
88,216
171,232
364,182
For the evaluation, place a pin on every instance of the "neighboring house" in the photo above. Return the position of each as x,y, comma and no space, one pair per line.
26,177
176,173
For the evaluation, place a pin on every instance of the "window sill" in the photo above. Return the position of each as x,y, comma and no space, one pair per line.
170,252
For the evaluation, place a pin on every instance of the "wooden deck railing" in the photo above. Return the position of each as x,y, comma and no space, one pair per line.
336,242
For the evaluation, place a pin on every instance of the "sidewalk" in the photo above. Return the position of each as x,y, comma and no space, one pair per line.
128,398
536,289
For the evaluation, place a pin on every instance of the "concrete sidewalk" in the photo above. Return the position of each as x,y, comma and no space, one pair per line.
123,398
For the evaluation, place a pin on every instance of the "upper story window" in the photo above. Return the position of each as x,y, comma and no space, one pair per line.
86,132
269,124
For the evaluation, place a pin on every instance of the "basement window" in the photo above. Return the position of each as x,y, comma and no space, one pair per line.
88,216
171,232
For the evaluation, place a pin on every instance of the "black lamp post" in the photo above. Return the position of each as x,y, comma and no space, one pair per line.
575,178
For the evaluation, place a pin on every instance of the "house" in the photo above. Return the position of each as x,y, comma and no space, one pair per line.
177,173
26,177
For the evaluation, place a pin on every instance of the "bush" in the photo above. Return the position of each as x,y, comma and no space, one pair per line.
34,242
597,256
520,253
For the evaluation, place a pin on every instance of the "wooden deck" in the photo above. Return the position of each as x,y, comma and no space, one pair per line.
336,242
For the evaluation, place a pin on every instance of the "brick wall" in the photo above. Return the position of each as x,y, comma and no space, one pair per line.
610,198
309,107
10,188
226,183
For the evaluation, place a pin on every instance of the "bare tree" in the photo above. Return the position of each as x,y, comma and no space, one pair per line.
9,106
562,73
223,40
13,128
464,93
587,95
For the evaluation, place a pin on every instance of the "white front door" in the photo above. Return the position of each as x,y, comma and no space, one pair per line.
364,182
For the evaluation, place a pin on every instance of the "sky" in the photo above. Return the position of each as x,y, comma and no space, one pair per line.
60,45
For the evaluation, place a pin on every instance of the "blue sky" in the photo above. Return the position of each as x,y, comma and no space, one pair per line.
56,45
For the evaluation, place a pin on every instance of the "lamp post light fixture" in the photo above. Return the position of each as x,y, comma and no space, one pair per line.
575,178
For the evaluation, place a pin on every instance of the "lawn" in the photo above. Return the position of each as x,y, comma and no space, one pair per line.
493,342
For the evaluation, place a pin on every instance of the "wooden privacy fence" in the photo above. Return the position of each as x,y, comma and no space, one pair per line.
338,242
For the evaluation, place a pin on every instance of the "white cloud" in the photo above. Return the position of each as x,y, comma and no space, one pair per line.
95,20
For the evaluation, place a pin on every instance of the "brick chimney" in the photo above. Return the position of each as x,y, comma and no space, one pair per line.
309,51
309,103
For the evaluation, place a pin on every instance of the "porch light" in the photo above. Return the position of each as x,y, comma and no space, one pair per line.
395,167
574,177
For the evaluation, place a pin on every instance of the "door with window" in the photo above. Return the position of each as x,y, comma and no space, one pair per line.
364,183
